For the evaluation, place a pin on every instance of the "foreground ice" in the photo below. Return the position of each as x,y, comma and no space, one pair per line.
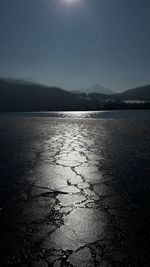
74,192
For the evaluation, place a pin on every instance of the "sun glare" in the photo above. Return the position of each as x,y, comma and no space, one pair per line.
69,1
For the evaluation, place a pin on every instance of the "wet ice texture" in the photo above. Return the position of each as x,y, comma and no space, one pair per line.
72,207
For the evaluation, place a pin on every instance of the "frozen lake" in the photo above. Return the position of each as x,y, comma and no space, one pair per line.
74,192
114,114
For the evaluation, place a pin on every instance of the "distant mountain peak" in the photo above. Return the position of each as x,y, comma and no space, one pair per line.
97,88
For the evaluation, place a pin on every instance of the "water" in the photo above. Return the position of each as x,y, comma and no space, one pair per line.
70,186
115,114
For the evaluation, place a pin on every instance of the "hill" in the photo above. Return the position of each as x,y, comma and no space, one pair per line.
139,93
16,95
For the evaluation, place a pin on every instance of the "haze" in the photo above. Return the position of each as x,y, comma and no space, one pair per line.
75,45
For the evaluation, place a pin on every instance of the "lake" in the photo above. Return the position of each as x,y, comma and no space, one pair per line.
75,188
114,114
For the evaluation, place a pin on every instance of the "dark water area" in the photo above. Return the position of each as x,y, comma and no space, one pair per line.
74,192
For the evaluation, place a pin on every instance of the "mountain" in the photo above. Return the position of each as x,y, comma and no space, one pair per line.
139,93
17,95
102,97
97,88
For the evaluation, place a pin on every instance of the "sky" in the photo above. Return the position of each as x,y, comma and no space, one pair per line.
75,44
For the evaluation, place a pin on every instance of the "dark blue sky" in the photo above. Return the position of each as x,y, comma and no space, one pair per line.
76,45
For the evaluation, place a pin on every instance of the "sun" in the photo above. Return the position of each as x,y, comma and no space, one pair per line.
70,1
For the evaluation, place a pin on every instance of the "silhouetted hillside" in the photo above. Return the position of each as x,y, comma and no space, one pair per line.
24,96
16,95
139,93
102,97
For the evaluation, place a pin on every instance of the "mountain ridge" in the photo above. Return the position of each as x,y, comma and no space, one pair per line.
35,97
31,96
137,93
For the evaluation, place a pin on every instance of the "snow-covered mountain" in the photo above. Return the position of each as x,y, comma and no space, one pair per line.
97,88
